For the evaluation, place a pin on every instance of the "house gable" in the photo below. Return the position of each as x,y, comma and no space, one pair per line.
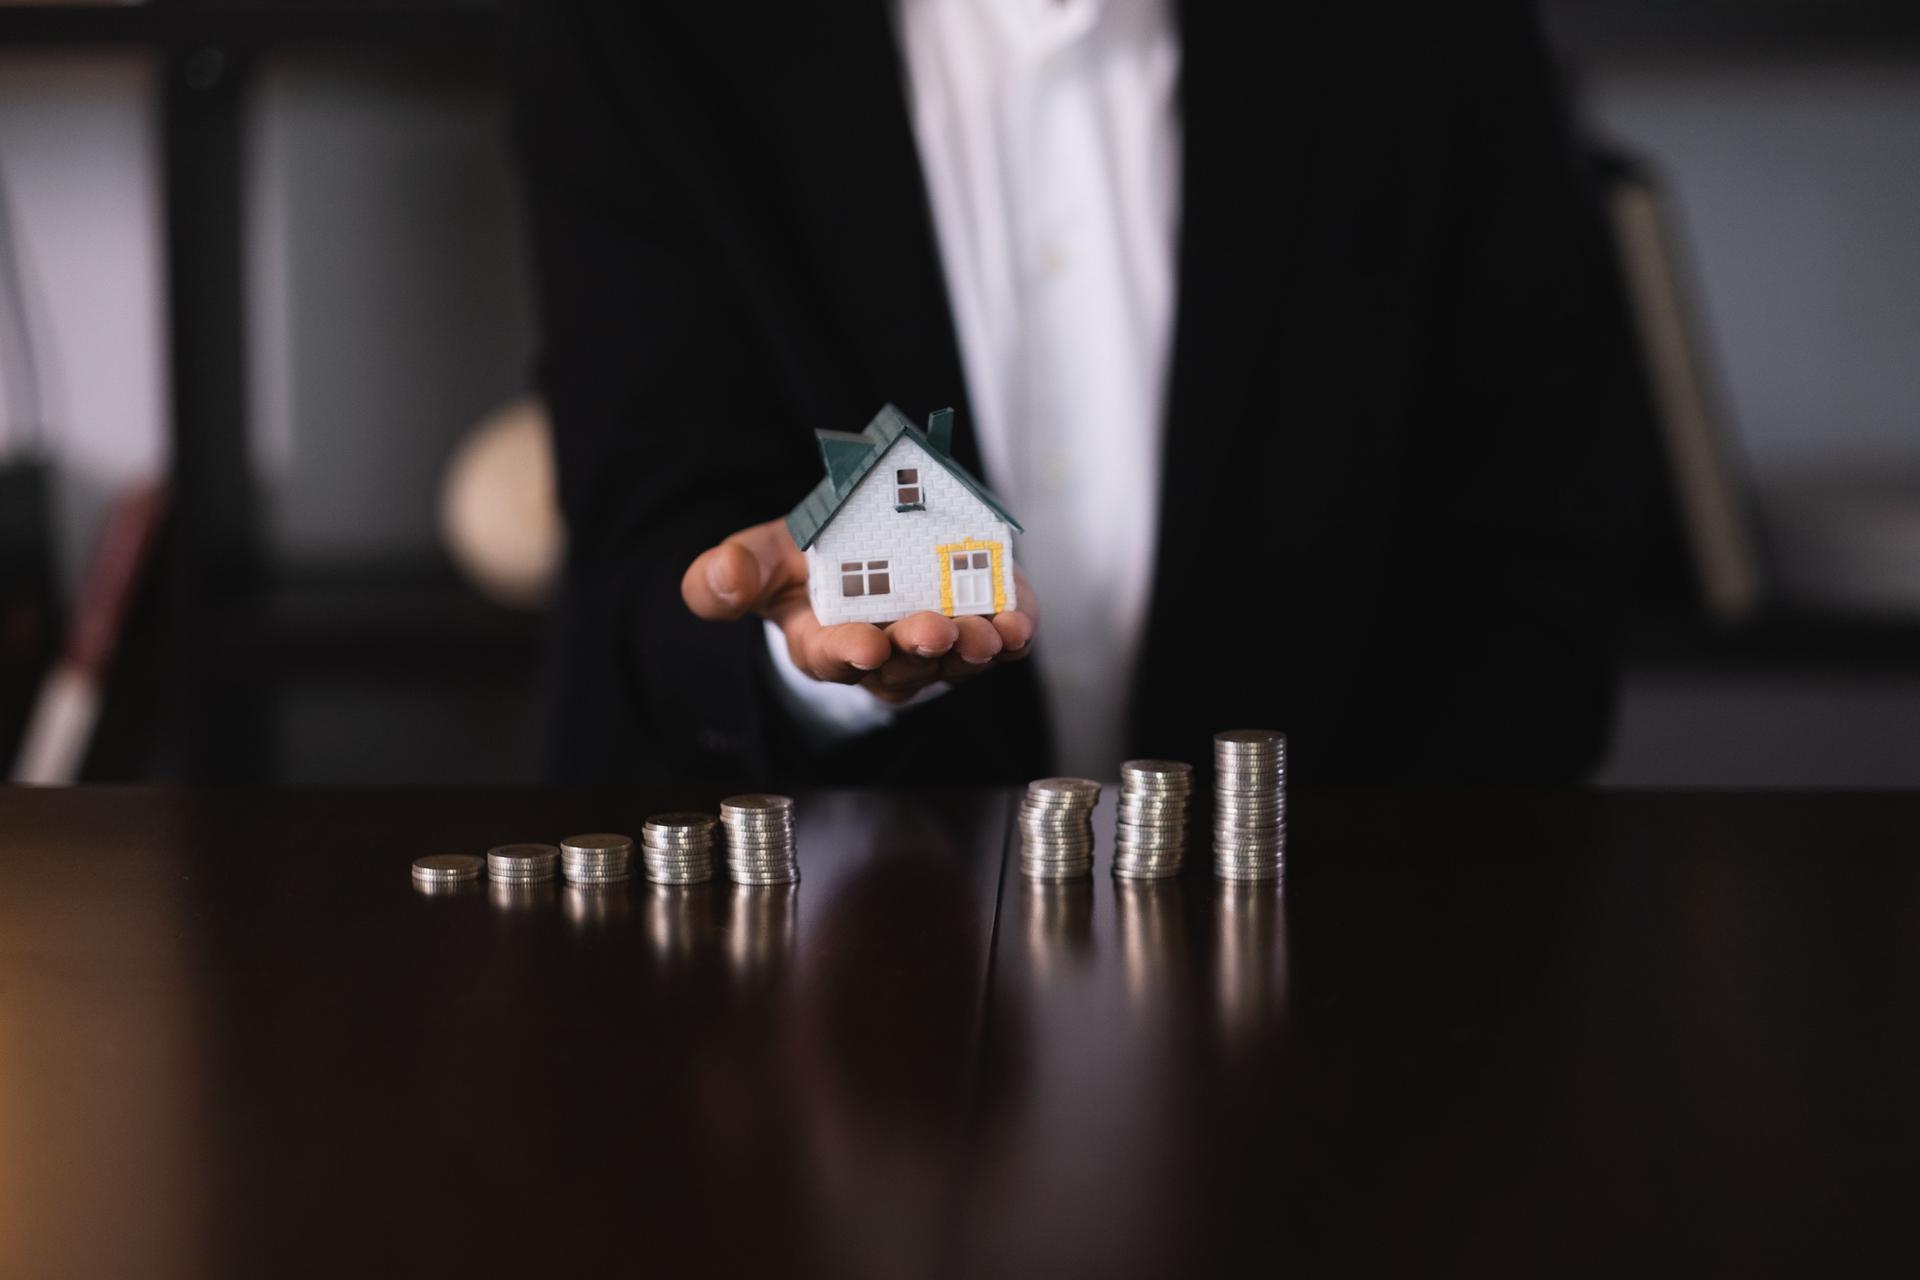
847,467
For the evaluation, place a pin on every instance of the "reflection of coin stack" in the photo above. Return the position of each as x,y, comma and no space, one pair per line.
677,917
1250,960
518,894
1249,804
1150,830
1056,922
596,903
677,848
596,859
1056,828
1153,935
760,848
759,930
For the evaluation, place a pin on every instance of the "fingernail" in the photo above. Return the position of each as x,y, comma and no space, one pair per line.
978,662
925,650
720,583
858,665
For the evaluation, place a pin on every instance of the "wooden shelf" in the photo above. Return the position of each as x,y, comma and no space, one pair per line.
1793,641
1639,30
255,25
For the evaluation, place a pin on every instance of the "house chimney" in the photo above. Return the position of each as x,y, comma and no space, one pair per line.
940,431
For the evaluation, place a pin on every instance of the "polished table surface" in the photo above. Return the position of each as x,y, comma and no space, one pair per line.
1505,1033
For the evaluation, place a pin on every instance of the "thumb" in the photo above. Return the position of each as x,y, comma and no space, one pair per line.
722,583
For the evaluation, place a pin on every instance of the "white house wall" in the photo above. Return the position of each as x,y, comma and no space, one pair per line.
868,528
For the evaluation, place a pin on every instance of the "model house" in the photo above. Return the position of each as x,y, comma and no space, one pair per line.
897,526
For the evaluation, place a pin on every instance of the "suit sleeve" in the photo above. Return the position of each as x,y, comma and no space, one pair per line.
665,419
1520,533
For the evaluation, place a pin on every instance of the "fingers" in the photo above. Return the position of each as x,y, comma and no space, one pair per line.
918,643
1016,630
844,654
923,635
927,647
750,571
978,645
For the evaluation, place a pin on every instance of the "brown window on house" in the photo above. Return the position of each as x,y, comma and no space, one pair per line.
906,488
865,578
980,560
960,560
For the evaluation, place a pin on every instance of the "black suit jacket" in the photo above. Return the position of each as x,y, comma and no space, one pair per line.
1392,499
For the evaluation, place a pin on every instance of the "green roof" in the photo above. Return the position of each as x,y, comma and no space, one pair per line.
848,457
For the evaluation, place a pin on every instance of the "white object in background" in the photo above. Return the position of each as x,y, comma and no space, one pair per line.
82,155
499,514
59,729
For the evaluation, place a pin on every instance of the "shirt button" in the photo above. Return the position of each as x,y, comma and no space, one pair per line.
1052,259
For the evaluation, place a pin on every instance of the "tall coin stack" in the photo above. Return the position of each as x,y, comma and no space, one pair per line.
759,839
677,848
596,859
1249,804
1056,828
1150,830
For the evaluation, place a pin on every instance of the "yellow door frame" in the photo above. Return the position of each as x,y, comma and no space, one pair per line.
994,549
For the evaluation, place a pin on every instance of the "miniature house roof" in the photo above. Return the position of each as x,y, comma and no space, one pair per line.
849,457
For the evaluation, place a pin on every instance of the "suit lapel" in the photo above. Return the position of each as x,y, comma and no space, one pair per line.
1239,232
832,103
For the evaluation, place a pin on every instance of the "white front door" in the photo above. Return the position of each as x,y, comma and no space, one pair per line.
972,582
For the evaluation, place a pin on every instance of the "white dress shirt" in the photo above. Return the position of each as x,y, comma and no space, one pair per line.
1049,138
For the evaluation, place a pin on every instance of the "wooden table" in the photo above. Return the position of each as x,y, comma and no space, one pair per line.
1505,1033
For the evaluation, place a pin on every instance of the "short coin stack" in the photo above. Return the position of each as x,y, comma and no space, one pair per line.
447,872
1150,830
522,863
1249,804
677,848
596,859
1056,828
760,846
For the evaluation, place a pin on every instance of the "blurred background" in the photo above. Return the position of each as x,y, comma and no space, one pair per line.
274,505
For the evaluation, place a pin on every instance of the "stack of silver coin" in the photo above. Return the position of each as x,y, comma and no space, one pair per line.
677,848
1056,828
760,847
1150,830
1249,804
596,859
522,863
447,872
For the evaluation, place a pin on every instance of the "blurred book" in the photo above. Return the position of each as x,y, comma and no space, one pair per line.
1847,540
1713,511
60,728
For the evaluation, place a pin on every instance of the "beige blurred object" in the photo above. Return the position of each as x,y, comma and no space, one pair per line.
498,513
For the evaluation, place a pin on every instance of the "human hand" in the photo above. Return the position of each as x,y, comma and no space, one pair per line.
760,570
